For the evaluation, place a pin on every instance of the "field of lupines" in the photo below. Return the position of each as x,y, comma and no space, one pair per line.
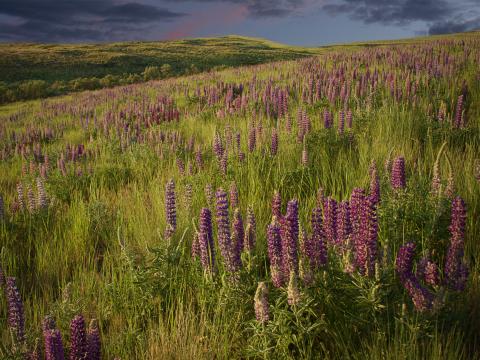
321,208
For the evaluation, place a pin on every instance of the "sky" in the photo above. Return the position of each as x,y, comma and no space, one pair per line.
295,22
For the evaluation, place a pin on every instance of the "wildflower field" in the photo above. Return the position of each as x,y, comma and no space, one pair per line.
320,208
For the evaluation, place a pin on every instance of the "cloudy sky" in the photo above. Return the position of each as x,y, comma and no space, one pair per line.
298,22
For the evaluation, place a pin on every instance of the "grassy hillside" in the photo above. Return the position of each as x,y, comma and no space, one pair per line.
353,176
64,68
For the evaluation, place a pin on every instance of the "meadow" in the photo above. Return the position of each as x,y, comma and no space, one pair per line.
323,207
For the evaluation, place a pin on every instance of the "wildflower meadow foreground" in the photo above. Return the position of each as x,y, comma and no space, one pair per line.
321,208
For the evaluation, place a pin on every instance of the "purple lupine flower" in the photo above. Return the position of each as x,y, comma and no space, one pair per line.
458,121
94,351
330,220
277,204
205,239
15,312
224,239
233,195
456,271
53,345
290,239
398,174
404,261
170,208
275,253
262,308
421,297
374,184
195,251
252,140
274,144
199,159
238,233
341,122
78,338
218,148
432,274
319,247
356,203
344,227
369,227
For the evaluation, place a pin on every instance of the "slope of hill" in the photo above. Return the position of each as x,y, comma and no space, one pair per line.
38,70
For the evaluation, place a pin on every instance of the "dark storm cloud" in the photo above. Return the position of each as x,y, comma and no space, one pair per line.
441,16
82,20
264,8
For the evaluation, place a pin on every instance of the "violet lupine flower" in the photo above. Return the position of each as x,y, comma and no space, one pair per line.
374,184
195,251
252,140
277,204
344,227
369,236
290,239
456,271
319,247
458,121
227,249
94,351
275,253
274,144
15,312
330,220
398,174
233,195
31,199
170,208
421,297
78,338
218,148
205,239
341,122
404,261
432,274
199,159
262,308
238,233
53,345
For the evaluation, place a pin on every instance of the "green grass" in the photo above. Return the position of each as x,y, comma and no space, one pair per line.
99,247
